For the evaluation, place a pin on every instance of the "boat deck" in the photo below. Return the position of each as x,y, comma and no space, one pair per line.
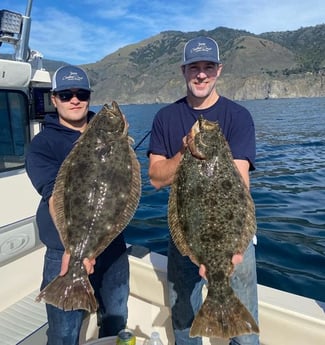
284,318
20,321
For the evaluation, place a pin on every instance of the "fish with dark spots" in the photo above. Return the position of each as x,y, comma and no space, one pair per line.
96,193
211,217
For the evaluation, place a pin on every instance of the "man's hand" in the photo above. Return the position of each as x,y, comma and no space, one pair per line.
88,263
188,141
202,272
64,263
236,259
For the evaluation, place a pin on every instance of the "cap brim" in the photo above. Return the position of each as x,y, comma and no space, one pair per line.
71,87
197,59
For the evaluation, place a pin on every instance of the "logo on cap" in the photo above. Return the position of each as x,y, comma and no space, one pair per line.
202,47
72,76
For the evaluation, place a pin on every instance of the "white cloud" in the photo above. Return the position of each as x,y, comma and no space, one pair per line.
88,30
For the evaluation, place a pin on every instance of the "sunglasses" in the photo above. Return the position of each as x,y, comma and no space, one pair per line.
66,95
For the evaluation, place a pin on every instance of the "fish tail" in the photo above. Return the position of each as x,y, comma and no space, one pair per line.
223,320
67,293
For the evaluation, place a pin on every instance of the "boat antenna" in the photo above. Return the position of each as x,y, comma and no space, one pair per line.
22,48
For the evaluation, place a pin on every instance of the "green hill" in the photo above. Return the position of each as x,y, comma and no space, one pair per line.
269,65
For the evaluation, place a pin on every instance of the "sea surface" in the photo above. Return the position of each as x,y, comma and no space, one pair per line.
288,188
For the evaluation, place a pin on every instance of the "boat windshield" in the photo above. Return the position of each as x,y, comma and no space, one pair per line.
14,129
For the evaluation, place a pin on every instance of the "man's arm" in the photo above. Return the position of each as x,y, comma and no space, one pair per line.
162,170
243,167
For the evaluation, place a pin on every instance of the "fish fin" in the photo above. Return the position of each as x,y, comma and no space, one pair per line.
175,226
223,321
58,202
66,294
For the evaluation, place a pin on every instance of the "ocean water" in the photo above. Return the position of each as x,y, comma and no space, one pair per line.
288,188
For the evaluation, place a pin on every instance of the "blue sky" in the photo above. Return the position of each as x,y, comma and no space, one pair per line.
85,31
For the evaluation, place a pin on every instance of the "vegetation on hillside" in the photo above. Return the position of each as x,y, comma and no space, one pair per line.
308,44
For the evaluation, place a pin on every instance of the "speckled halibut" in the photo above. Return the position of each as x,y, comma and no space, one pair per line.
212,217
96,193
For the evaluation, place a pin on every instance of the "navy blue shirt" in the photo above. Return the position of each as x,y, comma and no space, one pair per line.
174,121
46,153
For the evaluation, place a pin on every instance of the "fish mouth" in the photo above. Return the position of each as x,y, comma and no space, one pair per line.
118,122
200,126
125,125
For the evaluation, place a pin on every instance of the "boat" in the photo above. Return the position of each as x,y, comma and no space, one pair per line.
25,86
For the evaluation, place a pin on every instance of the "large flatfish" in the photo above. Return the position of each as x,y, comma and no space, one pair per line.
212,217
96,193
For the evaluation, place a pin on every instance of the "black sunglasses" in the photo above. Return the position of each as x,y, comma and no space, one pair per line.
66,95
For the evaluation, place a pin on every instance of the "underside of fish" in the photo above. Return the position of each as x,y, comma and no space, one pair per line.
212,217
96,194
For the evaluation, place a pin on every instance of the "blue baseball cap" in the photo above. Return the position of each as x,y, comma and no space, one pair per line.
201,49
70,77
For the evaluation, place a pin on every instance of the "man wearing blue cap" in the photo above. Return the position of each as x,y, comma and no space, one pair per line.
201,68
110,276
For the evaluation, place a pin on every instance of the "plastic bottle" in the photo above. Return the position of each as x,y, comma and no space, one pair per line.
155,339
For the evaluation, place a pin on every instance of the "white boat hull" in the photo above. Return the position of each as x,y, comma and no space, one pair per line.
284,318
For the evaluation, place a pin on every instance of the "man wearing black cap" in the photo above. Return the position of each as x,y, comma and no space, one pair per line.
201,68
110,275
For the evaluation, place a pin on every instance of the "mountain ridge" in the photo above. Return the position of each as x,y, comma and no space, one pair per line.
283,64
270,65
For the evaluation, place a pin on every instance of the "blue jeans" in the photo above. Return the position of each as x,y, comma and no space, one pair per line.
111,285
185,286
